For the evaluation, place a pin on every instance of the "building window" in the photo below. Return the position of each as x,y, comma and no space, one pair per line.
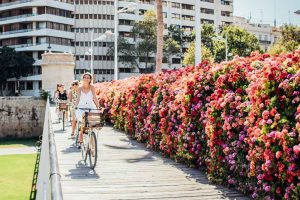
40,85
226,14
188,7
187,28
226,3
207,21
176,60
22,85
125,70
209,1
175,5
188,18
175,16
29,85
207,11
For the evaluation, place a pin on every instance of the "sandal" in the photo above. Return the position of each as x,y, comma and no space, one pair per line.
79,144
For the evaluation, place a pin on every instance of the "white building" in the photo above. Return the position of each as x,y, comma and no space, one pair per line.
35,26
265,33
27,25
98,16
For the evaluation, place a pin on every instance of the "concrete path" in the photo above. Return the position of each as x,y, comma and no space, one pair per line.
127,170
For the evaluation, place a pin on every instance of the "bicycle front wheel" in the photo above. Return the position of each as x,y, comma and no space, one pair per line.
77,134
93,150
84,148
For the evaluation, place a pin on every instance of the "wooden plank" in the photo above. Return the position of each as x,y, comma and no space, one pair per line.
127,170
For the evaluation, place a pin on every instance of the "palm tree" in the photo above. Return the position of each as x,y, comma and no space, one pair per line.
160,36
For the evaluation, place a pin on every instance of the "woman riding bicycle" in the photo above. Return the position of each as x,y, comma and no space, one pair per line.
73,98
86,99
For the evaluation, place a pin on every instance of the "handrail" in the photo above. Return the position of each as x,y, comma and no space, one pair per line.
56,191
48,183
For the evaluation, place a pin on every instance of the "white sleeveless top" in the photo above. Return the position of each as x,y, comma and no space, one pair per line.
85,101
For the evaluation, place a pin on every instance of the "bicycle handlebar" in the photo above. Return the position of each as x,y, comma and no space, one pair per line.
89,109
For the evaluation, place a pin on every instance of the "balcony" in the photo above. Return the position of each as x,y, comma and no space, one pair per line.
36,18
37,32
16,17
16,31
16,2
21,45
37,3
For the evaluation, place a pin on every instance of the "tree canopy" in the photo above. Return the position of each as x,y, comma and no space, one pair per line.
289,41
240,42
13,64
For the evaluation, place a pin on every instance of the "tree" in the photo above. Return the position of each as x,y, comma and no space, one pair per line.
207,34
13,65
176,34
189,56
127,52
144,46
289,41
171,47
160,35
240,42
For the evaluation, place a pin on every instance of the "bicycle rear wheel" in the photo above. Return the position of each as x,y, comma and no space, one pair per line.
63,120
93,153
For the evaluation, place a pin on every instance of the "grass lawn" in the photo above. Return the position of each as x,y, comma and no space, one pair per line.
18,143
16,173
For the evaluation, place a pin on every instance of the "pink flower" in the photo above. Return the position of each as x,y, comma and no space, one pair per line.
278,154
296,149
265,114
261,106
238,98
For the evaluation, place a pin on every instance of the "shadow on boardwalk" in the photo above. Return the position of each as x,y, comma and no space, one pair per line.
127,170
191,174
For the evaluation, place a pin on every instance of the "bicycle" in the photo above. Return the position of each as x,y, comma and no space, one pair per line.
69,104
92,121
62,107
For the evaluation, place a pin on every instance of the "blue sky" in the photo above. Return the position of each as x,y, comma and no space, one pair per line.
265,10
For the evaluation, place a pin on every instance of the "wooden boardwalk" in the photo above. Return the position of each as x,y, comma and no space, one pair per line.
127,170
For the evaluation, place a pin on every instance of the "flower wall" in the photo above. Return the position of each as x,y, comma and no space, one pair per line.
239,120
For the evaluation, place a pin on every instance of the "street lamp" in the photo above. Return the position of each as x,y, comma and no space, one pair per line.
129,8
226,43
90,52
198,33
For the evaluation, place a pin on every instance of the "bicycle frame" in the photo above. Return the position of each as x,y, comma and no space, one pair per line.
89,143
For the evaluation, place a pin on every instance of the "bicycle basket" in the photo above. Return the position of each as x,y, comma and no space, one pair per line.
62,106
95,120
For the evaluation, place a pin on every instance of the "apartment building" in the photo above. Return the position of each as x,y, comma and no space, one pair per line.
92,19
35,26
98,16
265,33
70,25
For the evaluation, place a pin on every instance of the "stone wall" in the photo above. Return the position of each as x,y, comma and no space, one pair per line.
21,117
